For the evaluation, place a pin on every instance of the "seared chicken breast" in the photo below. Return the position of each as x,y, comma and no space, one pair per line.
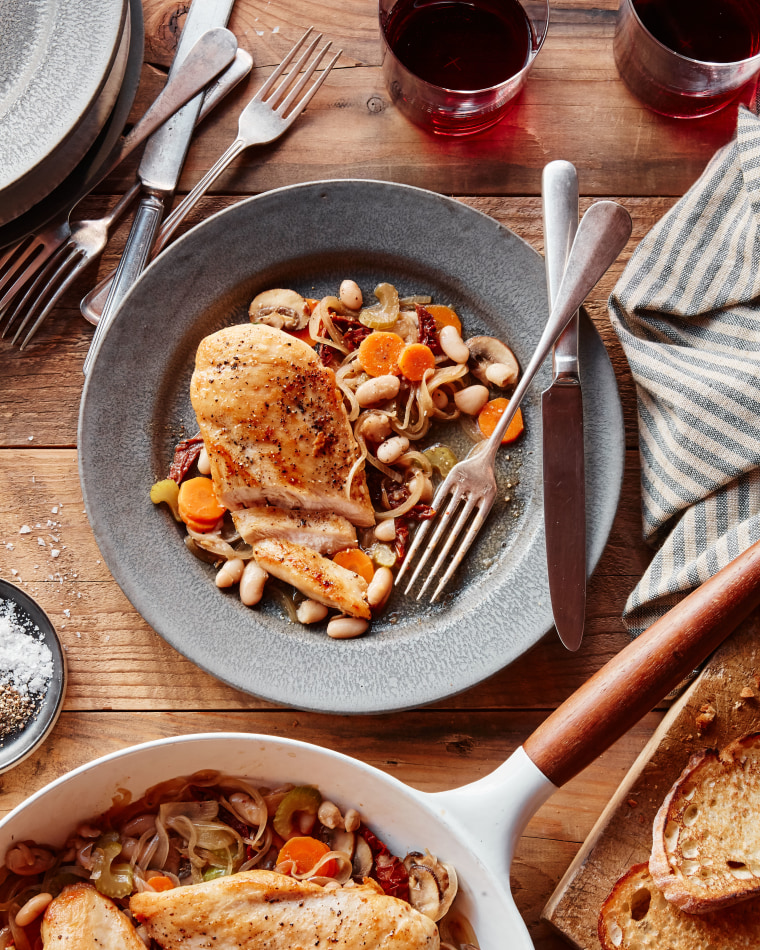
274,425
263,910
81,918
321,531
315,576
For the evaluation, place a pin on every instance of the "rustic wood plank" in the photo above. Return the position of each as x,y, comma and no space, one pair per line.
622,835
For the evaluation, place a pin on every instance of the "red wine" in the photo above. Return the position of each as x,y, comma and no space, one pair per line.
712,31
460,45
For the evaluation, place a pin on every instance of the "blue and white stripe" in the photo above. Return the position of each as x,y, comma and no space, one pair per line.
687,311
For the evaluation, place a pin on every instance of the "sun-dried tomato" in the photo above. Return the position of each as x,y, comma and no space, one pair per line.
185,456
390,874
428,329
420,513
328,355
353,337
401,542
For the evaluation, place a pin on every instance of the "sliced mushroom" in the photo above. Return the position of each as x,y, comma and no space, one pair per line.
432,884
282,309
492,361
362,862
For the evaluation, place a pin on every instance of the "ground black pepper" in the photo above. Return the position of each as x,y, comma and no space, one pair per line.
15,711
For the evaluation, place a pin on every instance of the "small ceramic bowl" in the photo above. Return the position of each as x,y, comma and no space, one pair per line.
15,748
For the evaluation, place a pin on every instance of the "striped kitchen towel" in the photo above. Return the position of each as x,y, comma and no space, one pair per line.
687,311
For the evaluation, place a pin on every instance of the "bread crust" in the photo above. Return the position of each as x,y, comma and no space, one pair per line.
703,855
636,916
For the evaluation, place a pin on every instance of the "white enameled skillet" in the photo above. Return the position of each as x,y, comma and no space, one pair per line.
475,827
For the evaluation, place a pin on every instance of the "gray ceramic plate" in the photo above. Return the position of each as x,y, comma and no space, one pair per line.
33,618
135,408
76,184
58,84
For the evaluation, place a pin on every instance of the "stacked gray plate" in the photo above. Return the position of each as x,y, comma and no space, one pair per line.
62,64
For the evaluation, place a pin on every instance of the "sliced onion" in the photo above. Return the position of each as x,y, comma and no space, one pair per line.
471,428
420,459
417,487
214,542
411,300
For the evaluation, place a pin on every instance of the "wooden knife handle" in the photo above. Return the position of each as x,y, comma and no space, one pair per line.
645,671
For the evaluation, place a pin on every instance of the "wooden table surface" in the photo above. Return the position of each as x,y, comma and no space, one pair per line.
125,684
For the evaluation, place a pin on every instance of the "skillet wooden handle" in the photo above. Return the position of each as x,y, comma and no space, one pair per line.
645,671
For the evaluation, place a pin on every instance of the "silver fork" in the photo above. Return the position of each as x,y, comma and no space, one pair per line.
88,238
22,263
469,490
262,121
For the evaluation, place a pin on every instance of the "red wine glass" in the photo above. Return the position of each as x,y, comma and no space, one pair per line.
454,67
688,58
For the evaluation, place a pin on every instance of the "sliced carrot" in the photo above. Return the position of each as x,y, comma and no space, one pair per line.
302,335
354,559
161,883
444,316
415,360
302,854
490,415
198,504
379,353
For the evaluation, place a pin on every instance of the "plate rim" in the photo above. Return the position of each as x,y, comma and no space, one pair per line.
361,703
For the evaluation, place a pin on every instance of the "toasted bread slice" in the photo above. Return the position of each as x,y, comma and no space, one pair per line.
636,916
706,836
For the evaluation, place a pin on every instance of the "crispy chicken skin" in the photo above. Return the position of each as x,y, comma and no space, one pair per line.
315,576
81,918
263,910
274,424
321,531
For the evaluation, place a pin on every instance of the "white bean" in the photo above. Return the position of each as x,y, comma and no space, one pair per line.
375,426
453,345
204,464
500,374
380,587
311,611
353,820
351,295
344,628
230,572
32,909
329,814
378,390
427,489
386,530
471,400
392,449
252,584
440,398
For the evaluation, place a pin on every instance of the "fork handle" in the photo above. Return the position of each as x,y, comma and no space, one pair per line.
602,235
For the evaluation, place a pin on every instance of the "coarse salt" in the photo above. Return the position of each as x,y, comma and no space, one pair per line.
26,662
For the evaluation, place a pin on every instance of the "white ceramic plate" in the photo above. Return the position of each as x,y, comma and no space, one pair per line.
136,407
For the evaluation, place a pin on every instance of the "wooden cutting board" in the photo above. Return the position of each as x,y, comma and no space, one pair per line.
622,835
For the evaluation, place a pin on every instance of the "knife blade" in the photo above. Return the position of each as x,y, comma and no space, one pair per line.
162,163
562,414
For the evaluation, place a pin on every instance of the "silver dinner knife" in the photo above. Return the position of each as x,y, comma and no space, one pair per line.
562,414
160,167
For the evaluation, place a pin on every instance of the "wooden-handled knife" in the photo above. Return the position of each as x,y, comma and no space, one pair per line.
562,413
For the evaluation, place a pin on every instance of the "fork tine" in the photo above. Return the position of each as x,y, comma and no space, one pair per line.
453,534
41,287
440,526
14,266
294,71
78,260
35,282
278,71
464,547
315,86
